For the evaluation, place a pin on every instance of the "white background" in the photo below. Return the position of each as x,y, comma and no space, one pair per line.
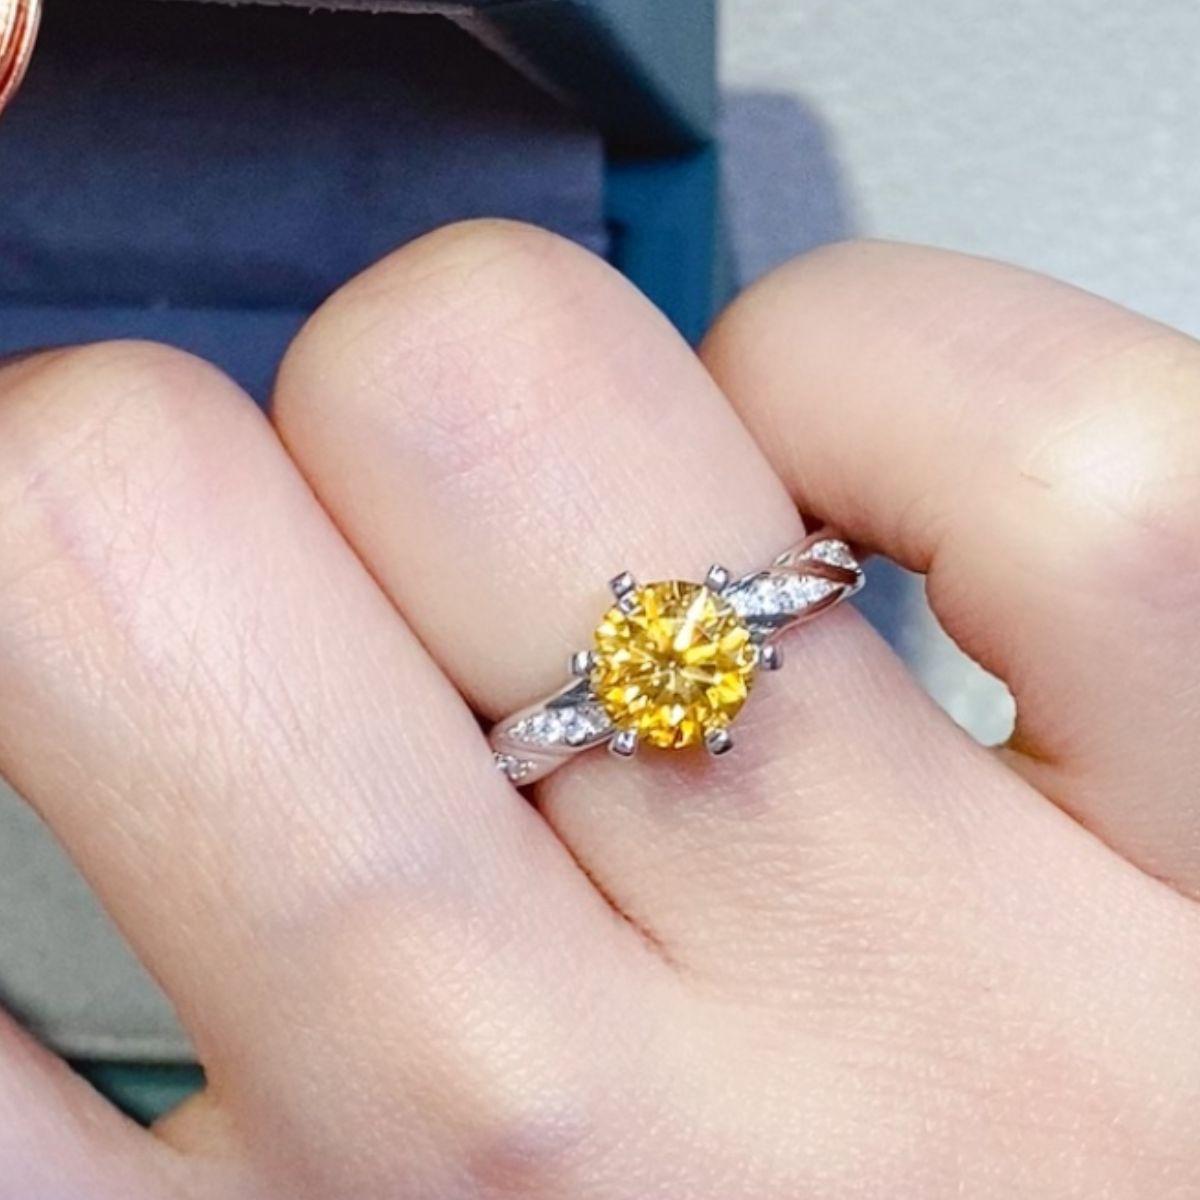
1060,134
1063,135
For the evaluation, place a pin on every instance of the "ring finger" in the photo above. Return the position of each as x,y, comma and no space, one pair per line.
499,423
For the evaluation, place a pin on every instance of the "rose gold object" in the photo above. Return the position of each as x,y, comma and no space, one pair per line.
18,31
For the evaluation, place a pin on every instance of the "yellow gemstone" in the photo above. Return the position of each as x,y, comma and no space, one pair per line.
676,666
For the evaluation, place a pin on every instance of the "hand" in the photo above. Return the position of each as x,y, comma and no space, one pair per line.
860,957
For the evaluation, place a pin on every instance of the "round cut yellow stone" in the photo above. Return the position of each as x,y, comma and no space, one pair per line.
676,666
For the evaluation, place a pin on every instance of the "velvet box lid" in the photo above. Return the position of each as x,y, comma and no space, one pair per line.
640,71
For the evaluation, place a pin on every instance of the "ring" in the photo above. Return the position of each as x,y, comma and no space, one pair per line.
672,663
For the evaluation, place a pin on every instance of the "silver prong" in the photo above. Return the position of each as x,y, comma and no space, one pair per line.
717,579
622,584
624,744
582,663
770,657
718,742
623,587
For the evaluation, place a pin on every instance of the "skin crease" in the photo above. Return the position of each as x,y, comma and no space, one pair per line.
241,665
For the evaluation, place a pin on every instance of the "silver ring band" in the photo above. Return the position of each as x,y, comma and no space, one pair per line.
802,583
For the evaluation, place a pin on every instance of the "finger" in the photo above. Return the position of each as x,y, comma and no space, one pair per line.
1034,450
288,809
500,423
58,1138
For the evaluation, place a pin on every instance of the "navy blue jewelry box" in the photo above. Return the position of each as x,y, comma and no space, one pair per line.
205,175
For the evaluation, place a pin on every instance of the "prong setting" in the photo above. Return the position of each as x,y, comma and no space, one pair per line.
582,663
770,656
717,579
624,588
634,686
624,743
718,742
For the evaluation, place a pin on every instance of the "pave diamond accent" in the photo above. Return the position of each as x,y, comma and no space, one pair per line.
773,595
514,769
834,552
572,725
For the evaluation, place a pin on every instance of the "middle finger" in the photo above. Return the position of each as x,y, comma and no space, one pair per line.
513,426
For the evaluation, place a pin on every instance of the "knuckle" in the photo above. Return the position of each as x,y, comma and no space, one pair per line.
1123,462
527,1132
832,262
92,440
110,367
520,1100
88,409
452,335
473,270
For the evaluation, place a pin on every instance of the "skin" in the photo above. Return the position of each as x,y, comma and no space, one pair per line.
241,669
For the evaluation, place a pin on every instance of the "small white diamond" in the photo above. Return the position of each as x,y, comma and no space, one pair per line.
779,595
540,729
514,769
833,552
586,721
756,598
561,726
575,728
800,591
